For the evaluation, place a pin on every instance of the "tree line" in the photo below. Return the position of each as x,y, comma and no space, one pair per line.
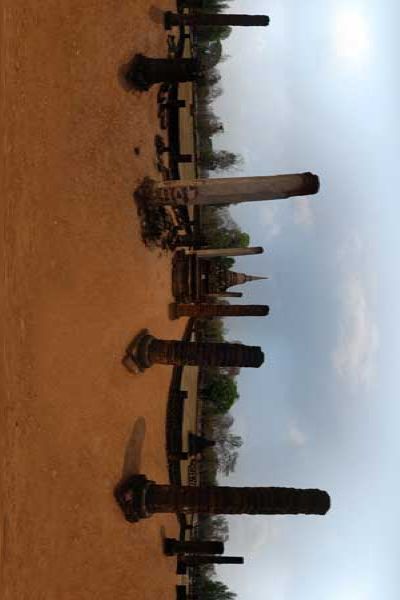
208,88
219,387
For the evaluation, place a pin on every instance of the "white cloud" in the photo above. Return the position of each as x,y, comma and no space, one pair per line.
354,356
351,249
251,535
296,436
269,214
303,213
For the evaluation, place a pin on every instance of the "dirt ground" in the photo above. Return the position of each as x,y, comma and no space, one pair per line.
77,285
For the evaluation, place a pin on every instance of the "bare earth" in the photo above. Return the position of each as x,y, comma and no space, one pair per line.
77,285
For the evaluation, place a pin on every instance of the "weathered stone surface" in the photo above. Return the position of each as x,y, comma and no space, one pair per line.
139,497
171,352
221,310
214,20
174,546
234,190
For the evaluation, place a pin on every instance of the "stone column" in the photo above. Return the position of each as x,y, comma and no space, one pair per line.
226,295
139,497
214,20
201,311
234,190
173,546
194,560
146,350
143,72
213,252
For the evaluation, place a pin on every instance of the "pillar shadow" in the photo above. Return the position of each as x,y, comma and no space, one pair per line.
156,15
123,75
163,534
133,451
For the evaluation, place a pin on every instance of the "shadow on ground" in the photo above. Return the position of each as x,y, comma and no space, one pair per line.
133,450
156,15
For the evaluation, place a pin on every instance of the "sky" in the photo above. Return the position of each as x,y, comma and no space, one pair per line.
318,90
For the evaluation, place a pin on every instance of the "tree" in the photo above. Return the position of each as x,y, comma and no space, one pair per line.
227,452
211,589
222,237
226,261
213,330
219,528
213,33
240,239
222,392
220,160
227,443
213,527
209,126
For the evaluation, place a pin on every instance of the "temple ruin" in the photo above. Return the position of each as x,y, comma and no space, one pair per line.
197,278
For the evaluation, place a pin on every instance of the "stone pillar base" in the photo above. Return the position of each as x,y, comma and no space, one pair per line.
136,74
170,20
135,359
169,546
172,311
131,497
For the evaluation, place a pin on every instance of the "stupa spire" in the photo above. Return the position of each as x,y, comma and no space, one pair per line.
241,278
255,277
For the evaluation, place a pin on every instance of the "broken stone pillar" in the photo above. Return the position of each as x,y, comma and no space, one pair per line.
146,350
138,497
173,546
201,311
233,190
214,20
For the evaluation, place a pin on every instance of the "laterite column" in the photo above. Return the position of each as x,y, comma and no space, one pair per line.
214,20
214,252
139,497
143,72
146,350
233,190
205,354
193,561
201,311
173,546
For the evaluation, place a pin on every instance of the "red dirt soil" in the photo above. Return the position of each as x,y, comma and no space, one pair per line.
78,284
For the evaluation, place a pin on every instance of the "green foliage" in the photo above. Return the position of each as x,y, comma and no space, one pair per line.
213,6
212,589
213,33
207,126
209,54
227,238
222,392
227,447
220,160
208,468
214,527
226,261
221,231
212,330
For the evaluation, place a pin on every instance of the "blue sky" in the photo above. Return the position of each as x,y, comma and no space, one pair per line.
318,90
